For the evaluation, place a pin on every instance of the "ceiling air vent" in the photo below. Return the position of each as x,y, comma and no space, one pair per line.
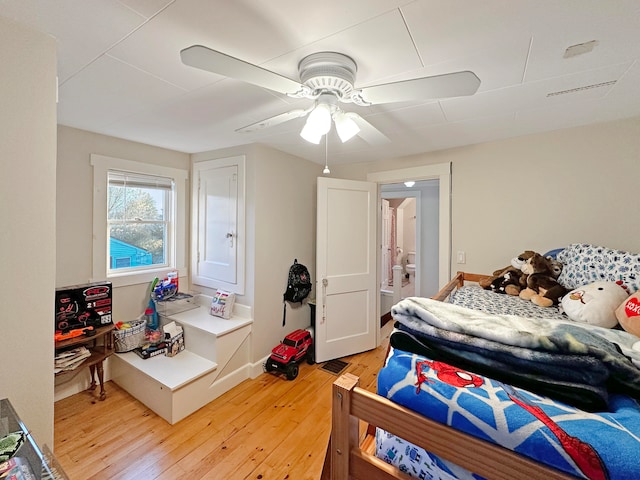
580,48
580,89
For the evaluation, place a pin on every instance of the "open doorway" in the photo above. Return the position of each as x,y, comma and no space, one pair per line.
410,241
433,226
400,240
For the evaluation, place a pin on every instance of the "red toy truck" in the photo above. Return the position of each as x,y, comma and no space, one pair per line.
292,350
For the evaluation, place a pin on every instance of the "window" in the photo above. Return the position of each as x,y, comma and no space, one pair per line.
139,220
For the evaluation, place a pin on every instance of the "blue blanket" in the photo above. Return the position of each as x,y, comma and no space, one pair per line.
577,363
589,445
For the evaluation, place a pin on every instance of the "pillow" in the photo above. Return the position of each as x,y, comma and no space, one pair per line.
553,253
628,314
594,304
584,264
222,304
9,445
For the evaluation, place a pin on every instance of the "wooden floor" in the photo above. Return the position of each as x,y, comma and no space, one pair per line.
265,428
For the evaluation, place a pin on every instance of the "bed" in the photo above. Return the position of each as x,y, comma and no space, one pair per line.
374,437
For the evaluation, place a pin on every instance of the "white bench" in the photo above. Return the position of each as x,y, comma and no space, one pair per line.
216,359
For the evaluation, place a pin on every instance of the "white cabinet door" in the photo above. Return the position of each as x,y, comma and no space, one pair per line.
218,230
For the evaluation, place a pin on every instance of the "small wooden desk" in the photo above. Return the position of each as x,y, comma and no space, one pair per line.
99,351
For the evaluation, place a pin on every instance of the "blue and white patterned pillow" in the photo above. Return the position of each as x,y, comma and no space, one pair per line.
584,264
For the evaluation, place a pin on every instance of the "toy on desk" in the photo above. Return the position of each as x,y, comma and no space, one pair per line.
167,288
76,332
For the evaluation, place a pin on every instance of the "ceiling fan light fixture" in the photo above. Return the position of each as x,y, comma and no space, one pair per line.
320,119
310,135
318,123
345,126
328,79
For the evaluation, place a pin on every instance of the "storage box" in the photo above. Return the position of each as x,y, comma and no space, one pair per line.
80,306
173,338
175,345
151,350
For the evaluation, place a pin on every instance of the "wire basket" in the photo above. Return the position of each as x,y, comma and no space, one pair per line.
129,338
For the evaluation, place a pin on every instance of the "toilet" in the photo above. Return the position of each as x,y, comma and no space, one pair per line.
411,263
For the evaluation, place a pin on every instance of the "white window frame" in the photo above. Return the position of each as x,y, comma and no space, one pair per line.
177,248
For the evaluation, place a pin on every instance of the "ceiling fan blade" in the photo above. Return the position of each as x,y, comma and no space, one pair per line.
368,132
455,84
273,121
210,60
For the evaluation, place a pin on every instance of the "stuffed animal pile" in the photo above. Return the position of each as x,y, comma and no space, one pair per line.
534,277
530,276
509,279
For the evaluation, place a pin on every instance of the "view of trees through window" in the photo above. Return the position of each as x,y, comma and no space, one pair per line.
137,223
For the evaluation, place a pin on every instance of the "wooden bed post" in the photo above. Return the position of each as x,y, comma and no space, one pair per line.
344,427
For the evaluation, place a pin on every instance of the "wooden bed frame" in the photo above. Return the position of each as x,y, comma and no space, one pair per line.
351,454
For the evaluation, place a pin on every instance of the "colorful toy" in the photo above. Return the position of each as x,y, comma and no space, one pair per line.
292,350
164,290
76,332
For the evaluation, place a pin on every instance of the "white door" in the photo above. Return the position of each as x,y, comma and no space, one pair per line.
346,291
217,220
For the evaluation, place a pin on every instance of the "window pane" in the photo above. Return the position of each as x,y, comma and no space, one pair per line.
136,245
136,203
138,218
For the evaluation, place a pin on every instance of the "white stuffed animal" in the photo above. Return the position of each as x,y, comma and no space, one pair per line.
595,303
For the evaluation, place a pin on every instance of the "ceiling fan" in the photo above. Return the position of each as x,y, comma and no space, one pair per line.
328,79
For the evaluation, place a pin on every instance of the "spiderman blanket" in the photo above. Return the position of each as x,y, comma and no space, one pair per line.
576,363
593,445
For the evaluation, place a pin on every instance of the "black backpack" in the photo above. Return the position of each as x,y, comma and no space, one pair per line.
298,286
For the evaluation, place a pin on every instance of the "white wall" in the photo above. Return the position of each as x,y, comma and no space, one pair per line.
429,238
285,222
537,192
28,239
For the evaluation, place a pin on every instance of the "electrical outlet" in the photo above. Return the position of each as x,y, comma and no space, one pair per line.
462,257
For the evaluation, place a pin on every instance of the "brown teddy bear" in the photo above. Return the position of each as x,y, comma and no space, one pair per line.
508,279
542,287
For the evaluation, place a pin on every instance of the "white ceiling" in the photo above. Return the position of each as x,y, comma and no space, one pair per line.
120,72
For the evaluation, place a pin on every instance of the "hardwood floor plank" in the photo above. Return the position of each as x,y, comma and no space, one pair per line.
267,427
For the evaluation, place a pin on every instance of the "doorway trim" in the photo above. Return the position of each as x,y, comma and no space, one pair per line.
442,173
